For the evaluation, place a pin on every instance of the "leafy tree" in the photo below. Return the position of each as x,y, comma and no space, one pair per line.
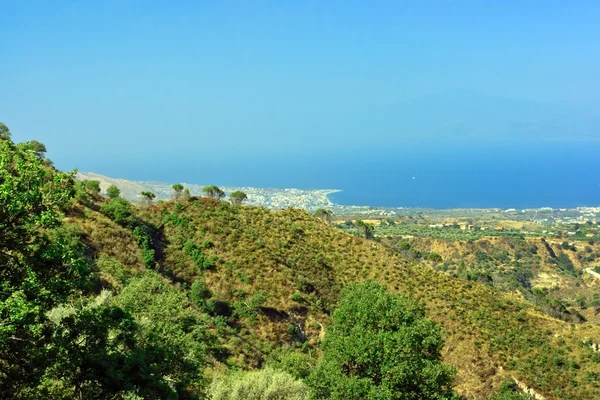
213,192
93,186
147,198
186,193
325,215
113,192
42,263
238,197
264,384
4,132
119,210
380,346
365,229
176,327
177,191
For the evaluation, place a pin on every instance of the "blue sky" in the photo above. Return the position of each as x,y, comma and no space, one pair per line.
102,82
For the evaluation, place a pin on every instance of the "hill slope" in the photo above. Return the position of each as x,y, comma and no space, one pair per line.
273,277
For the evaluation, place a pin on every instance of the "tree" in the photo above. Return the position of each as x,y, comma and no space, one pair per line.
113,192
93,186
365,229
238,197
119,210
213,192
381,346
263,384
147,198
4,132
186,194
42,262
324,215
177,191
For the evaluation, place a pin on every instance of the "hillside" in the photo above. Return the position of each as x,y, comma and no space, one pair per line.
104,299
299,264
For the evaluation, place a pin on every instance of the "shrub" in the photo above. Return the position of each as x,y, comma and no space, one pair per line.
119,210
265,384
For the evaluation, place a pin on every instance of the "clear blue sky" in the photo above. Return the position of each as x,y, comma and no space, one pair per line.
104,81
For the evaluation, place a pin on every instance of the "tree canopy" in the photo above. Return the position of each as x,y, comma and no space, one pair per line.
4,131
381,346
113,192
177,191
147,198
213,192
238,197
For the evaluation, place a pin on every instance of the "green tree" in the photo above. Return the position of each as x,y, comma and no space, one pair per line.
113,192
213,192
42,263
381,346
365,229
186,194
177,191
324,215
119,210
4,132
147,198
177,327
264,384
93,186
238,197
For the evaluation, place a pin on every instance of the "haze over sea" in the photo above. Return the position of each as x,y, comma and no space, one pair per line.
553,174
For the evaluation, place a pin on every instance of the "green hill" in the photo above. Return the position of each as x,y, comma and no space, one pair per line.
121,297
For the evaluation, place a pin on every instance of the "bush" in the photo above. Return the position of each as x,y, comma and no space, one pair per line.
199,293
265,384
380,346
119,210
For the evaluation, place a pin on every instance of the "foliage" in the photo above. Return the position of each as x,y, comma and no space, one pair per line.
213,192
4,132
167,320
324,215
113,192
365,229
264,384
93,186
41,262
119,210
380,346
147,198
238,197
177,191
509,391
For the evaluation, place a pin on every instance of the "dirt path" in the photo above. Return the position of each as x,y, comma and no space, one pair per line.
592,272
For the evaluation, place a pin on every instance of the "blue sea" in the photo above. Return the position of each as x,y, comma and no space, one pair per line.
552,174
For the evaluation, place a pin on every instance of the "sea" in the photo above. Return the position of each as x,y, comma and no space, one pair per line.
503,175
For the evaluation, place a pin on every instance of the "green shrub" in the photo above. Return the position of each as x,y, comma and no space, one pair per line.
265,384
